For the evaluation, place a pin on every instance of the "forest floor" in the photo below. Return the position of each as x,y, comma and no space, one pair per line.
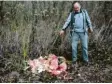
99,69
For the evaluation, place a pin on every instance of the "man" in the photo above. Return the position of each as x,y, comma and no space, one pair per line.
80,24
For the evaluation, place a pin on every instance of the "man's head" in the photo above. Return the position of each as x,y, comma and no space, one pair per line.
76,7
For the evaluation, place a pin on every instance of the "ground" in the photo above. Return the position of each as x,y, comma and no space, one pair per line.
99,69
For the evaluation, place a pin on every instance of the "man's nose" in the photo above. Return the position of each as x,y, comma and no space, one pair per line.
76,9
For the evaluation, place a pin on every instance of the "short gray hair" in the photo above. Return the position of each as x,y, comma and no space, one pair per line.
77,4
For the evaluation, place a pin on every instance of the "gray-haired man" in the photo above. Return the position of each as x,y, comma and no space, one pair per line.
80,23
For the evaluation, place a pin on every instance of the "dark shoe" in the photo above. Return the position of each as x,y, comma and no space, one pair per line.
74,62
86,63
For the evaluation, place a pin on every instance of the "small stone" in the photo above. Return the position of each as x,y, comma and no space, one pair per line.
79,75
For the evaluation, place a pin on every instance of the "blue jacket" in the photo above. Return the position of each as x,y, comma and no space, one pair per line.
86,23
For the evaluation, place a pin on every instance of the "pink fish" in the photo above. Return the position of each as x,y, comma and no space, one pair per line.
53,63
62,66
33,65
50,64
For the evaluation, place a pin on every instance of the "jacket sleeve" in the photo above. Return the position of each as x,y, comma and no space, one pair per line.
88,20
67,23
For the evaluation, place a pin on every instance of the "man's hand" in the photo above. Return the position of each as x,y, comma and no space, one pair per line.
90,30
62,32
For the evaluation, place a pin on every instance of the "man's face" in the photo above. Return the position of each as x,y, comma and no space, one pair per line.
76,7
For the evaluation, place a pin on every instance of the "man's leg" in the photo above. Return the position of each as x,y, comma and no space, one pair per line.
84,41
75,38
